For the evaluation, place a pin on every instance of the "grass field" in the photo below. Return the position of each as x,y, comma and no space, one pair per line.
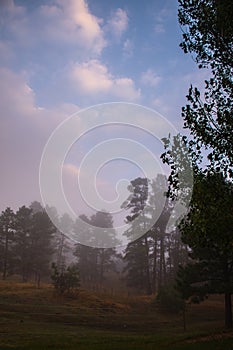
33,319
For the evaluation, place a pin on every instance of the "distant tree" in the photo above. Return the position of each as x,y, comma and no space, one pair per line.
95,262
177,254
136,265
105,256
150,260
23,228
137,252
40,247
158,232
60,241
7,229
86,255
66,223
32,247
36,207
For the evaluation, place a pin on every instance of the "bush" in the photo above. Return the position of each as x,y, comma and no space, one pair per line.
170,300
67,280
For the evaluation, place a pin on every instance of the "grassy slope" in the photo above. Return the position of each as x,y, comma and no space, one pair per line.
36,319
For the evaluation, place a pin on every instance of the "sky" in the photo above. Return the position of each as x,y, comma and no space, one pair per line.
60,56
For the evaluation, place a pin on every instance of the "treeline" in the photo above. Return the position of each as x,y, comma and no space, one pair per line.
30,243
152,260
26,242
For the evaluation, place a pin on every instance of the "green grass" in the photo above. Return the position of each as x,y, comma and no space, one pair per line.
34,319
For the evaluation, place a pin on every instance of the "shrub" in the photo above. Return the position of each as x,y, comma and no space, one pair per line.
170,300
66,280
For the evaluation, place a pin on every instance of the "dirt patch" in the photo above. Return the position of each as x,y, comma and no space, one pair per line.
210,337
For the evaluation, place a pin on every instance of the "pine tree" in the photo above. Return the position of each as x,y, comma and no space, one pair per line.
137,253
95,262
32,246
7,230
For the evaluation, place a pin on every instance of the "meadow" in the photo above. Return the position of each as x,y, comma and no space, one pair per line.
32,318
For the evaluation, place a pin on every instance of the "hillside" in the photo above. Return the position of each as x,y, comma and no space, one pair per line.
38,319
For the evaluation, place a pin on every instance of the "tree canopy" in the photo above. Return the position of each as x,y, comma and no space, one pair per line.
208,116
208,36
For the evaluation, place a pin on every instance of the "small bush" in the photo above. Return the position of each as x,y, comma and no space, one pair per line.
169,299
67,280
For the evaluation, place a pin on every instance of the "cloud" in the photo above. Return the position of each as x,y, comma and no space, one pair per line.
125,88
19,140
159,28
58,23
93,78
14,21
16,94
72,22
18,104
71,169
161,19
160,104
128,48
6,53
56,33
118,23
150,78
9,8
25,128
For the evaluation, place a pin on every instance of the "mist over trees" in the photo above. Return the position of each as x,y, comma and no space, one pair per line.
30,243
26,242
95,262
153,259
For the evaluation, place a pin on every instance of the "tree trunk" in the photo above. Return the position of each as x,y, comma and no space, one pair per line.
148,282
37,278
101,267
228,310
184,317
162,267
5,258
60,260
154,272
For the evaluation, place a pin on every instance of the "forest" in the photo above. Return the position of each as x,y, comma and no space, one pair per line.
30,243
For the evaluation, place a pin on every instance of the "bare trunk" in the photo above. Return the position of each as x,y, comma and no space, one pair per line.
102,267
154,273
228,311
5,257
162,268
60,261
148,282
184,318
